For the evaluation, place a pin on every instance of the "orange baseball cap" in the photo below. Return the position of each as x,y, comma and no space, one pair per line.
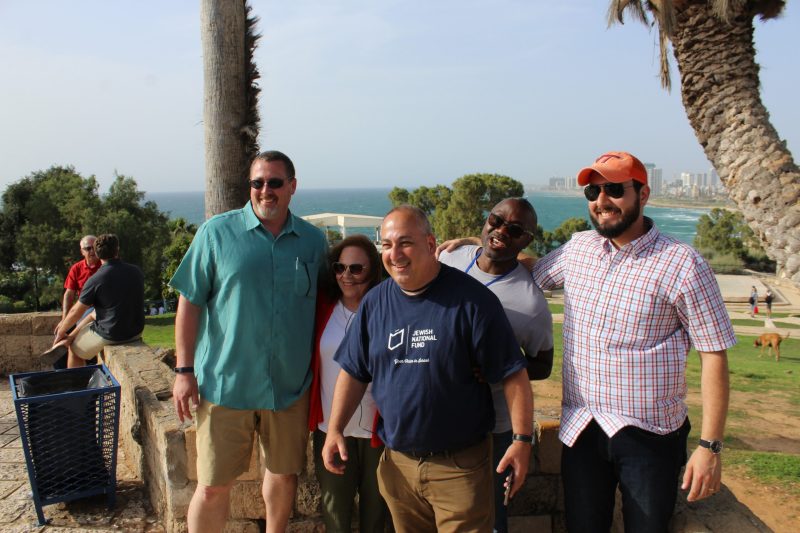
617,167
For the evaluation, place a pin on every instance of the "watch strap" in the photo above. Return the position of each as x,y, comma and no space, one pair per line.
183,370
522,438
714,446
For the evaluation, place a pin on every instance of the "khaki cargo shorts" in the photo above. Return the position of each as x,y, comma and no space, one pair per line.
88,344
225,440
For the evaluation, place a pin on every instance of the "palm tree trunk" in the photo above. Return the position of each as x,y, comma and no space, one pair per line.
720,89
230,129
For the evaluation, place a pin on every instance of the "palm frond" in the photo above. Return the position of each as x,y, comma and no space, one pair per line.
617,8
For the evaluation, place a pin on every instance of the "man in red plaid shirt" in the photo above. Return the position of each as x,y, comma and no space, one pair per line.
635,301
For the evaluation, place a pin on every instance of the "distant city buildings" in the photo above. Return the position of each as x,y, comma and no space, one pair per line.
684,185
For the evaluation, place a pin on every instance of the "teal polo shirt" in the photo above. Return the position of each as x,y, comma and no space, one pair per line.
257,295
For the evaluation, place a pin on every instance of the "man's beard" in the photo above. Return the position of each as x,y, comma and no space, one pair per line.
612,231
267,213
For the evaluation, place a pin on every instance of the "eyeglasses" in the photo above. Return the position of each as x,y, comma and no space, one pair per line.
87,248
354,268
272,183
614,190
515,231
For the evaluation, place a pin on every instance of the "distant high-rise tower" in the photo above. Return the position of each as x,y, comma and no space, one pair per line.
654,178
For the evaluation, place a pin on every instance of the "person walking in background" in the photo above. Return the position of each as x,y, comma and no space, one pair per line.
418,338
354,267
753,301
116,294
243,337
768,300
507,231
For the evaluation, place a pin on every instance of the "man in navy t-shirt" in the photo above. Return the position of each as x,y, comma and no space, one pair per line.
418,338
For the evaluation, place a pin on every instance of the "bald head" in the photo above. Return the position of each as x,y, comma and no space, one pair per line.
408,247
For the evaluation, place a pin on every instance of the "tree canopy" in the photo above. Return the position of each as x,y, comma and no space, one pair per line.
44,216
461,210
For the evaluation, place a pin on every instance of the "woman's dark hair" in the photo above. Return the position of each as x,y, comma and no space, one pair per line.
374,258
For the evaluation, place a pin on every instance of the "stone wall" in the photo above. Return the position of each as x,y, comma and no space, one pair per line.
22,337
162,450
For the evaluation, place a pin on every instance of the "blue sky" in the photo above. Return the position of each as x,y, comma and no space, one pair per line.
360,93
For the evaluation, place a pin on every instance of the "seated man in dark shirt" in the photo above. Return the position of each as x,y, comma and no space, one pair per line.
116,292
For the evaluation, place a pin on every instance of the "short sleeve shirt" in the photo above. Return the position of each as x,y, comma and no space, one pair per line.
419,353
630,317
116,292
78,274
257,293
525,307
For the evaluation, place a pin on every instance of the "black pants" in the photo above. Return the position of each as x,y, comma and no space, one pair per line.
644,465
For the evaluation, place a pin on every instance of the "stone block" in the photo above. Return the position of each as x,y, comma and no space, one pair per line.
539,524
43,324
246,500
17,324
309,497
538,496
40,344
15,345
547,448
306,525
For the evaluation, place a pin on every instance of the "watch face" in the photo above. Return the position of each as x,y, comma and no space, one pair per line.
716,446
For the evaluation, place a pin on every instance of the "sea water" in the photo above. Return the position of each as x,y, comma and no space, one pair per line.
552,209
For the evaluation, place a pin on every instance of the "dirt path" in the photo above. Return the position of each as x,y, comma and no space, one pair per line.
762,425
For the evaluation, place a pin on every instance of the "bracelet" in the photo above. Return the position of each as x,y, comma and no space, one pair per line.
183,370
522,438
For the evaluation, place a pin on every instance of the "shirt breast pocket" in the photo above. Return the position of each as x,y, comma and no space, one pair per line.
305,277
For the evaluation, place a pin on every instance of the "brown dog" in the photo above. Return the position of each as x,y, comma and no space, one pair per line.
771,341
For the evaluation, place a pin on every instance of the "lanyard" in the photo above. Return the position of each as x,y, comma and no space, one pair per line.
496,279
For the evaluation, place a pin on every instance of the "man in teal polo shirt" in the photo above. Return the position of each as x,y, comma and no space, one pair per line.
243,337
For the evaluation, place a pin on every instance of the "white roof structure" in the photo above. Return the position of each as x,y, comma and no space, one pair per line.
344,221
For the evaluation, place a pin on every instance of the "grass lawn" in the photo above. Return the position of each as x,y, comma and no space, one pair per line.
760,323
748,373
159,330
556,308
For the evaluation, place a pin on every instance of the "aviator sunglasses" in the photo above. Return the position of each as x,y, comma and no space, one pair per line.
515,231
354,268
272,183
613,190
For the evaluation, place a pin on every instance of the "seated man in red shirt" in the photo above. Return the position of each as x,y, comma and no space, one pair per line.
79,273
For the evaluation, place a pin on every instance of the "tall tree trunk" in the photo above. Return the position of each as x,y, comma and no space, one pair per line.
231,127
720,88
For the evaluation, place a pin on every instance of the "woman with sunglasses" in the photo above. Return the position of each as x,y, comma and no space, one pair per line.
355,267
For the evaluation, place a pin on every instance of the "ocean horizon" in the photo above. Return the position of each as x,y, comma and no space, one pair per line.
552,208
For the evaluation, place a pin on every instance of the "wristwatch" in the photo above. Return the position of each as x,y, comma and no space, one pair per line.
715,446
183,369
522,438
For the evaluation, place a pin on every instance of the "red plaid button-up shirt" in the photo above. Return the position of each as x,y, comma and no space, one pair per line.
630,317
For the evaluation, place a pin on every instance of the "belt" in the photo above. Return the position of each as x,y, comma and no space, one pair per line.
418,454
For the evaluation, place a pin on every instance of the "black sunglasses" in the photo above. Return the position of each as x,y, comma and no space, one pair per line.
354,268
613,190
87,248
515,231
272,183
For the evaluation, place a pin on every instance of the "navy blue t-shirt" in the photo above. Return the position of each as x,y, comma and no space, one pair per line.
418,352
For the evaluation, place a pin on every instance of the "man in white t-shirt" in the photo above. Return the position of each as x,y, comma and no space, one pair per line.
507,231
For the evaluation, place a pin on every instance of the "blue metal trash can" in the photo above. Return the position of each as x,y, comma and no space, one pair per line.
69,425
